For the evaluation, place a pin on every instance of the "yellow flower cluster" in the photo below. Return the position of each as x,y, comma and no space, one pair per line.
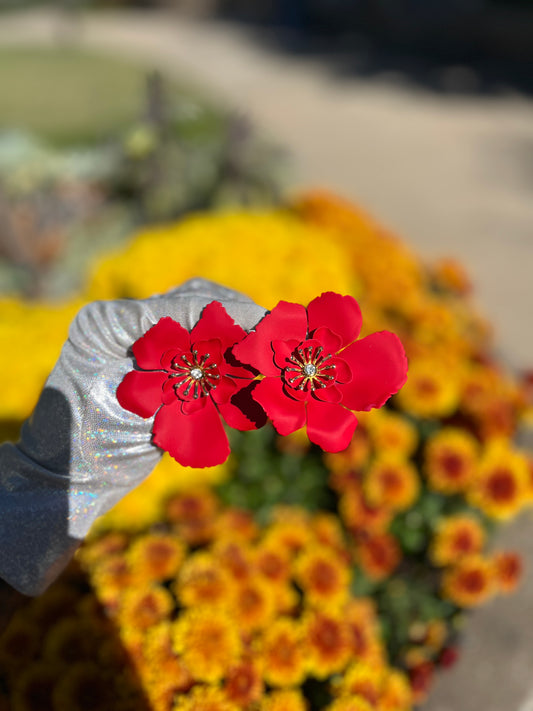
239,621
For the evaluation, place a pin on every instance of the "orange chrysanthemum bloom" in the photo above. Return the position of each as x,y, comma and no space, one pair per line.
359,516
396,693
508,570
327,643
110,576
455,537
323,576
208,641
364,680
272,562
205,698
244,684
432,390
254,605
194,514
500,488
110,543
202,581
143,607
283,654
451,458
350,703
290,529
353,458
284,700
235,556
391,483
378,555
236,524
19,644
392,433
156,556
363,631
450,275
470,582
162,663
328,531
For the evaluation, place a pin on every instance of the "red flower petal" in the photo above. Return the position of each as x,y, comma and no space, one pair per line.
194,440
283,351
330,394
169,393
342,371
379,369
212,347
166,335
141,392
287,415
341,314
235,417
330,426
243,399
225,388
215,322
329,341
286,319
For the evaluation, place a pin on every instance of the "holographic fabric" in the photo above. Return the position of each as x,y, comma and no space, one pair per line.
80,452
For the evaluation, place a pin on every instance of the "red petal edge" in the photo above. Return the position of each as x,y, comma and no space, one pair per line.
330,426
287,320
341,314
193,440
379,369
141,392
287,415
166,335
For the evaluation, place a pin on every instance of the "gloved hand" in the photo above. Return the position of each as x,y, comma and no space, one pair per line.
81,452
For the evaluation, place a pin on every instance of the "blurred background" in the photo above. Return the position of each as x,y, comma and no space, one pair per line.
115,114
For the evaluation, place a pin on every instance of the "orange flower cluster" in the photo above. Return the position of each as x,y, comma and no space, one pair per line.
207,612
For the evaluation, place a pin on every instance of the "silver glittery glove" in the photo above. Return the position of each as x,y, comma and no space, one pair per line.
81,452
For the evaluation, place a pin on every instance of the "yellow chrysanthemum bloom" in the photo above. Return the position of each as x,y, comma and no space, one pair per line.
283,654
390,433
470,582
208,641
296,260
144,506
23,325
327,643
397,694
155,556
284,700
455,537
202,581
350,703
500,487
163,667
323,577
391,483
204,698
364,680
432,389
451,458
144,606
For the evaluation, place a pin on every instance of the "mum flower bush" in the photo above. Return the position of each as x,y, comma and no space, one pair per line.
287,577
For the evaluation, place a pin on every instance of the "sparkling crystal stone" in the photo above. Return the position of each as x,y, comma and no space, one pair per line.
196,373
309,370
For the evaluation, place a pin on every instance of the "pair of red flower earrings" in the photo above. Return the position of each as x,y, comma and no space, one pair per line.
299,367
